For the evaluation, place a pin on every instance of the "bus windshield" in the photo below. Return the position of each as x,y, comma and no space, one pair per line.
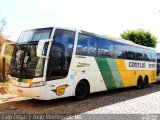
34,35
24,62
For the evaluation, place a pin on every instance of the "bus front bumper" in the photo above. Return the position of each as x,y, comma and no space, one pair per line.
32,92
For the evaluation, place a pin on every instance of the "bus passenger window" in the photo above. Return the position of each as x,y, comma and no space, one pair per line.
86,45
105,48
153,56
130,52
119,50
147,55
139,54
60,54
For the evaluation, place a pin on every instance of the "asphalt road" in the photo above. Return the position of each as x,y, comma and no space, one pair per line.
69,106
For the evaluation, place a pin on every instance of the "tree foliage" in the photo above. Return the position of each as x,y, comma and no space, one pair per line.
141,37
9,47
2,24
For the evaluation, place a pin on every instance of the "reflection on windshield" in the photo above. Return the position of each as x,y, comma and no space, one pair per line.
34,35
25,63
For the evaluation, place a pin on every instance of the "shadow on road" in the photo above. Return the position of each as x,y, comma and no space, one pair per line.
71,106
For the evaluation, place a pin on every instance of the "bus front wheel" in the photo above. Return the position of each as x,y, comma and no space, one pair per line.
82,90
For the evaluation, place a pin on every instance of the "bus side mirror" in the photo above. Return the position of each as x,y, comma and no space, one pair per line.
4,49
43,46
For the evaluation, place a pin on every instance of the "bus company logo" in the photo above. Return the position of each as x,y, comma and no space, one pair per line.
137,65
83,64
60,89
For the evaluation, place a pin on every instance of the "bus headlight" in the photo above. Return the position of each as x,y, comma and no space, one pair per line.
38,84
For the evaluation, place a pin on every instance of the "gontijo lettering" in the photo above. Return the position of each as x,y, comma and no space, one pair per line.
137,65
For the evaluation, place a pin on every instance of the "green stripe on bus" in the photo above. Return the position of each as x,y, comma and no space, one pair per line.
106,72
116,75
22,80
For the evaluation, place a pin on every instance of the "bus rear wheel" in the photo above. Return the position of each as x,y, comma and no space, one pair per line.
81,91
140,83
145,81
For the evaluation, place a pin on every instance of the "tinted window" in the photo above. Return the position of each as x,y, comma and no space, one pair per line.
158,66
119,50
105,48
34,35
139,54
147,55
86,45
41,34
130,52
153,56
60,54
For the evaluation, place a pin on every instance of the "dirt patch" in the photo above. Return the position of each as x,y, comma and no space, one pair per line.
3,90
9,98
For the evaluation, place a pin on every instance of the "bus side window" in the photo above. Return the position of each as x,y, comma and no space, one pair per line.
82,47
105,48
86,45
119,50
130,52
153,56
60,54
147,55
140,54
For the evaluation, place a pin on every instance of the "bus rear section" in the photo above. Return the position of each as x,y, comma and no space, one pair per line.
158,66
107,73
109,63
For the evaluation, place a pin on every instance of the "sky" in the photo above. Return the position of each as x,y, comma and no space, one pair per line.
104,17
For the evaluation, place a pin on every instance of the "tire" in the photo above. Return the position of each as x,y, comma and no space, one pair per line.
140,83
81,91
145,83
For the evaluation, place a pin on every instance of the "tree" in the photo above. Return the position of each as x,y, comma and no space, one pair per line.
2,24
141,37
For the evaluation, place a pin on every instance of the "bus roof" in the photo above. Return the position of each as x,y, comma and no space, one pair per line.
120,40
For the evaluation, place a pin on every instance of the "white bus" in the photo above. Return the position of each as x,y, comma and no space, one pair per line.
50,63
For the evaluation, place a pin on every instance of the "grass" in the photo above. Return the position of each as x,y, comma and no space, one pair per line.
3,88
3,84
8,60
